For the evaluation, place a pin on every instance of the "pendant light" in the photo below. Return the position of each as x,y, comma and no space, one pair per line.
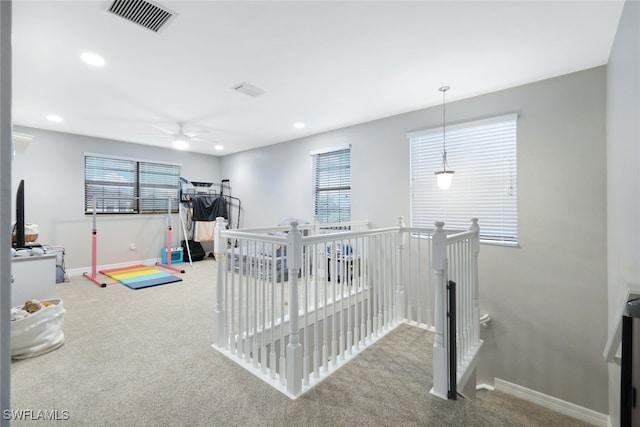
444,176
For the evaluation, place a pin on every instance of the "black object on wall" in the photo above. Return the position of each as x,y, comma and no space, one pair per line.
453,351
628,393
20,239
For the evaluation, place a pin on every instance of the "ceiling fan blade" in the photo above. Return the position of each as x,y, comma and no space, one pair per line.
158,135
164,130
198,130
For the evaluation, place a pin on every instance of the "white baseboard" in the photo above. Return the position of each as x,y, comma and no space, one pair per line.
485,387
553,403
82,270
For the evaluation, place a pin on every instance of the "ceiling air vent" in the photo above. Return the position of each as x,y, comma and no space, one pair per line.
248,89
142,12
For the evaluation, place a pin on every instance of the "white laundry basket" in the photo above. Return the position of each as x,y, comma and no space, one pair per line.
39,332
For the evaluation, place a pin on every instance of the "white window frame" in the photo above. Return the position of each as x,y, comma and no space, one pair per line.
483,154
137,186
332,184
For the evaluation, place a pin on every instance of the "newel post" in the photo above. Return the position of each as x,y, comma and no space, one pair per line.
400,296
475,250
220,253
440,345
294,349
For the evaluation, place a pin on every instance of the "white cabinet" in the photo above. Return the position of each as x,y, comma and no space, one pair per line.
34,277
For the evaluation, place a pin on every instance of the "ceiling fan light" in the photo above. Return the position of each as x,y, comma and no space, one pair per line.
181,142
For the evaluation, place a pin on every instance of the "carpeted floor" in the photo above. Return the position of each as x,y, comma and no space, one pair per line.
527,413
144,358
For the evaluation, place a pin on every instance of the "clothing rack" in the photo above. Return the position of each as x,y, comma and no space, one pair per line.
190,190
196,191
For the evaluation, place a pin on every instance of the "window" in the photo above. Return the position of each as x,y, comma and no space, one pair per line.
332,185
483,155
129,186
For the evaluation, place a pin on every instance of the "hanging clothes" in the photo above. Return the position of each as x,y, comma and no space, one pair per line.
205,211
208,208
205,231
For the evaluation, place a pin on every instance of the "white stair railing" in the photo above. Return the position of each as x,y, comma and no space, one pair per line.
294,349
295,303
418,276
441,340
455,258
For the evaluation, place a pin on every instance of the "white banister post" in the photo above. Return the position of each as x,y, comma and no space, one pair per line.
219,251
294,349
440,345
400,297
475,249
316,225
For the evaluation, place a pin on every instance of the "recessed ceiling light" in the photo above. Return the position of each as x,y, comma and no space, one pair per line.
54,118
298,125
92,59
219,147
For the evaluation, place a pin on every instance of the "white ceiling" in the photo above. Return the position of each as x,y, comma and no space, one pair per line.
327,64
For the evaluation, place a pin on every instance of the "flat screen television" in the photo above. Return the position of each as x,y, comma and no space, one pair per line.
20,239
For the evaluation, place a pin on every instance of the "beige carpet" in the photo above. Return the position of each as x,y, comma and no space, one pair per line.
143,358
527,413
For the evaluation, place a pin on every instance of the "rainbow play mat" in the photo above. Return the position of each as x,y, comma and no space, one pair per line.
140,276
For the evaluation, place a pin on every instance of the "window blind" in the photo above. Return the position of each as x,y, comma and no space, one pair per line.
110,180
158,183
117,184
332,185
483,155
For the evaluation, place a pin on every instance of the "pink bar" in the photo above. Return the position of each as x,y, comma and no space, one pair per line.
168,264
94,260
169,245
94,252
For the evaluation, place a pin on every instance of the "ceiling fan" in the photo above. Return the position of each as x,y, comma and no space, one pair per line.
181,139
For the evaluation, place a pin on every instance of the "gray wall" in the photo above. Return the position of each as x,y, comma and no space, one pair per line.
623,174
52,166
547,298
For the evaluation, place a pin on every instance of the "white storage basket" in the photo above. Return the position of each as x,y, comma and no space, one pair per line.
39,332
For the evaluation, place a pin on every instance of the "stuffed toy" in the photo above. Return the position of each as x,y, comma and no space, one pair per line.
32,306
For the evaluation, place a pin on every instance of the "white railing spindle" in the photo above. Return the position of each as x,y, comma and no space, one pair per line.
219,310
475,251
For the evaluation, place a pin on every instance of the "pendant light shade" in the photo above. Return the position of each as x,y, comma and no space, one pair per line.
444,179
444,176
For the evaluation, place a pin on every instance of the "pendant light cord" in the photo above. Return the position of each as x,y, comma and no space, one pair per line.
444,121
444,89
